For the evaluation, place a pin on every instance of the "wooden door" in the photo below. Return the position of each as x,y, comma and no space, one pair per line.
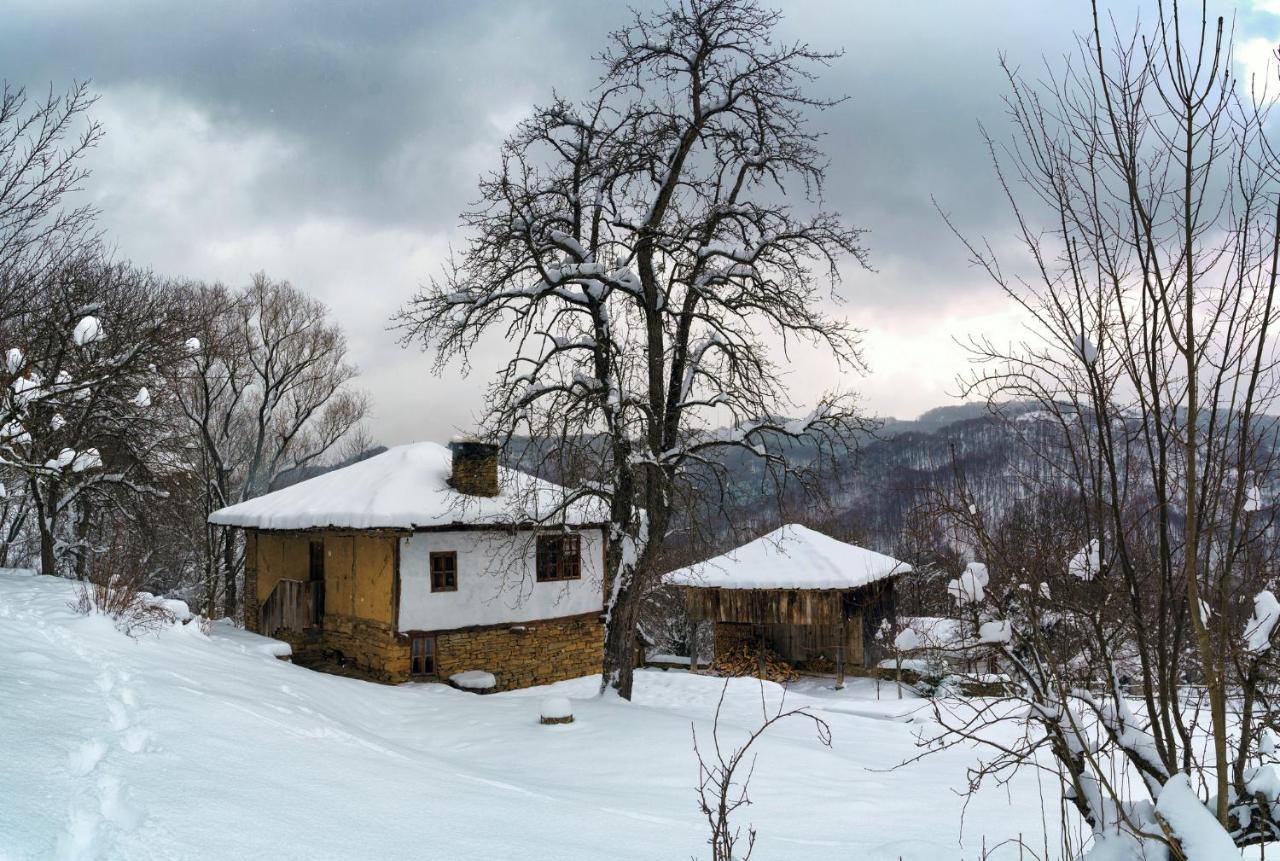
854,654
315,580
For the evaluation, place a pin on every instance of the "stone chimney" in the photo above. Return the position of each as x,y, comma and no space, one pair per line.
475,468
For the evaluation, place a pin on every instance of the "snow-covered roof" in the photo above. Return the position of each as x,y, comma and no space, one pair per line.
405,487
791,557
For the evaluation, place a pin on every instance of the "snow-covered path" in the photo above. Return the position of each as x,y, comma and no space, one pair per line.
181,745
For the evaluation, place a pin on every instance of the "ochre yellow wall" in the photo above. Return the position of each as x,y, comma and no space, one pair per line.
359,570
375,578
281,556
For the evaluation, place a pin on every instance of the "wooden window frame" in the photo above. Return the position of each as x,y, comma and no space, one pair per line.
443,585
427,655
562,561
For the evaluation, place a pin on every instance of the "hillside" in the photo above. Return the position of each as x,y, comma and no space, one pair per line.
181,745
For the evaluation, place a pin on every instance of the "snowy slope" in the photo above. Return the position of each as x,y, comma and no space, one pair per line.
187,746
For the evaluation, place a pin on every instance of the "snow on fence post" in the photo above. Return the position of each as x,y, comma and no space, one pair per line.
760,664
556,710
840,635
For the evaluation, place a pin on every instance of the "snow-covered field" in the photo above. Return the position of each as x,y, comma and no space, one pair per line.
182,745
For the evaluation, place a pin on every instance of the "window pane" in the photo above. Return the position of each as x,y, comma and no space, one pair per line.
422,656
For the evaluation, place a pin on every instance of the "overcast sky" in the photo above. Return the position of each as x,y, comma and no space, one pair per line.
334,143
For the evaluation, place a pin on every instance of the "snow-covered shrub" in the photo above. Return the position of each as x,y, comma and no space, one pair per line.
134,612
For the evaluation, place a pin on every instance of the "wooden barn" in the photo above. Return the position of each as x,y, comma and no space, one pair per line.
815,601
426,562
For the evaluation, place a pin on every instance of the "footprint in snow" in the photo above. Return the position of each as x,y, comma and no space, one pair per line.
114,804
119,715
86,758
82,838
136,739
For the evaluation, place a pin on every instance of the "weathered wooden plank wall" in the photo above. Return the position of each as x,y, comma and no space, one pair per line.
287,608
766,606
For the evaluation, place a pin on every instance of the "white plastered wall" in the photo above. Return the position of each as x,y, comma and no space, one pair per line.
496,582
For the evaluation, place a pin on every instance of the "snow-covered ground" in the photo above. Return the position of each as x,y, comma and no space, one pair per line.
182,745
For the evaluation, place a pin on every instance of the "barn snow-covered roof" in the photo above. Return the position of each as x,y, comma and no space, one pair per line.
405,487
791,557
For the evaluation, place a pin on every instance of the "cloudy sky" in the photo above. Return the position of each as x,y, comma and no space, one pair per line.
334,143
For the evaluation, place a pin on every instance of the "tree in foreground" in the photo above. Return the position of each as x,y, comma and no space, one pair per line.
637,252
1128,594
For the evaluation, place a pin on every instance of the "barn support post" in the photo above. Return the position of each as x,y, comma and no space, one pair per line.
692,640
840,636
760,668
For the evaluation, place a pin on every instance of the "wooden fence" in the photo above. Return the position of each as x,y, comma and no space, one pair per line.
287,608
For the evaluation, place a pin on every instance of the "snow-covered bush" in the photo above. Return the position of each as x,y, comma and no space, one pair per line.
134,611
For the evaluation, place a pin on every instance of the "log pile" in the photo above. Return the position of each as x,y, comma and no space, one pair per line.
745,661
820,664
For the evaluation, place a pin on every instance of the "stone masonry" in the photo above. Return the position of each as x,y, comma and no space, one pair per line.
520,656
475,468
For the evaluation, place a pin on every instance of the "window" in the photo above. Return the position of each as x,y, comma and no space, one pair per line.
422,656
444,572
559,557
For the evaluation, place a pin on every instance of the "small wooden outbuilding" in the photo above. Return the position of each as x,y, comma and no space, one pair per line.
815,601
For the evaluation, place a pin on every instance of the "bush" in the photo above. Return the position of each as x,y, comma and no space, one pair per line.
134,612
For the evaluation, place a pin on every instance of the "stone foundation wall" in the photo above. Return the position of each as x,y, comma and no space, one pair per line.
370,649
544,652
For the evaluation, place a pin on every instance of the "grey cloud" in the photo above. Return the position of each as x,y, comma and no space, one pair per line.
388,110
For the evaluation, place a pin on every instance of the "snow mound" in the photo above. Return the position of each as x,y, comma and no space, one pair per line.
907,640
934,632
1087,563
995,633
474,680
1257,631
556,708
970,586
88,330
791,557
1196,828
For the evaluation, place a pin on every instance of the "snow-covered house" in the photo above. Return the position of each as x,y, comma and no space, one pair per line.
428,562
816,601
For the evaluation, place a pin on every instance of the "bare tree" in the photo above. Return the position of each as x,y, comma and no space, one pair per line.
724,775
1150,298
637,252
42,145
266,389
85,422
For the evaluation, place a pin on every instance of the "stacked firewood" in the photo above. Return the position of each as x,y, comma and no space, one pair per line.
820,664
745,661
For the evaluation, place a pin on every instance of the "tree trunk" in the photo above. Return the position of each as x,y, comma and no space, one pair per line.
230,598
48,561
620,638
80,559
